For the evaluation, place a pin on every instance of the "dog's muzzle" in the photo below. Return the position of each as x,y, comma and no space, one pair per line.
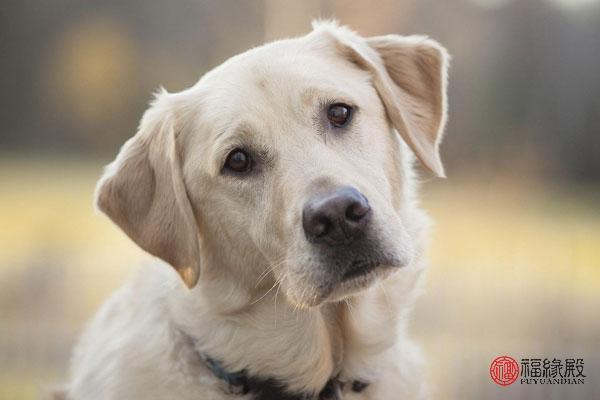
338,224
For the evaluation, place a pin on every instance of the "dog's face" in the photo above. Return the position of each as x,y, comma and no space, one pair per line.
285,160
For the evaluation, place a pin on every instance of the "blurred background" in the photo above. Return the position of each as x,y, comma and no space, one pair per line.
515,259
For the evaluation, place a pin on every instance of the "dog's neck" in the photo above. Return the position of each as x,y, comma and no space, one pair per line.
268,337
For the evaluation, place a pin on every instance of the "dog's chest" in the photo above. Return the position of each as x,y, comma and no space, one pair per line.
306,350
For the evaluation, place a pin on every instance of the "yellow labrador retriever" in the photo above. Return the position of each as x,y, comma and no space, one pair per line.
280,189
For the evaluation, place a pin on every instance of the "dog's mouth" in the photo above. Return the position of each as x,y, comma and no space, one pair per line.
360,275
359,268
335,277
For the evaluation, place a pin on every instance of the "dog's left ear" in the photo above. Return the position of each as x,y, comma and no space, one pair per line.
409,73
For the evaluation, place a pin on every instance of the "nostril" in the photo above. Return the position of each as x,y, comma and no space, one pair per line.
316,224
320,227
357,210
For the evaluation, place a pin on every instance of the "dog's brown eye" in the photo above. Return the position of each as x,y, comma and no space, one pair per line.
339,114
239,161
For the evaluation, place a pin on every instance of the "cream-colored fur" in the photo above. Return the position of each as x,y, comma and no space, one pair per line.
248,284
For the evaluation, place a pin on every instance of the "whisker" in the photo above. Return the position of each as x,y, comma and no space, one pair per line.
265,273
276,295
266,293
274,265
271,268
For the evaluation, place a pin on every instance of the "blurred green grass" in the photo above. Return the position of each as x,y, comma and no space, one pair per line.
515,269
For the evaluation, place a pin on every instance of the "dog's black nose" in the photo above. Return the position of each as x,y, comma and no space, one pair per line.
336,217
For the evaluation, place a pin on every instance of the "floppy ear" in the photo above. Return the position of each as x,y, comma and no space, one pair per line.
409,73
143,192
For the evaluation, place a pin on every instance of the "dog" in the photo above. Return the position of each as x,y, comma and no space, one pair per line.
281,190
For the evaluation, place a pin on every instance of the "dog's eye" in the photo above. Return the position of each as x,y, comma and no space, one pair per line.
239,161
339,114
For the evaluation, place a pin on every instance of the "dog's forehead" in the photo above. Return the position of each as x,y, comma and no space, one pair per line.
272,57
277,70
274,92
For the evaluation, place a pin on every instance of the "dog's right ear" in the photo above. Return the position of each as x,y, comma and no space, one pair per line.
143,192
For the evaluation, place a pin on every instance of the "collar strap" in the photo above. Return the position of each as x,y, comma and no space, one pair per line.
270,389
237,381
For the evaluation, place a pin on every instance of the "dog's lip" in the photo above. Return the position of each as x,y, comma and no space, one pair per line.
359,268
363,266
356,279
358,283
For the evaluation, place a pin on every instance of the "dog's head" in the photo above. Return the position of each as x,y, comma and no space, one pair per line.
285,161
